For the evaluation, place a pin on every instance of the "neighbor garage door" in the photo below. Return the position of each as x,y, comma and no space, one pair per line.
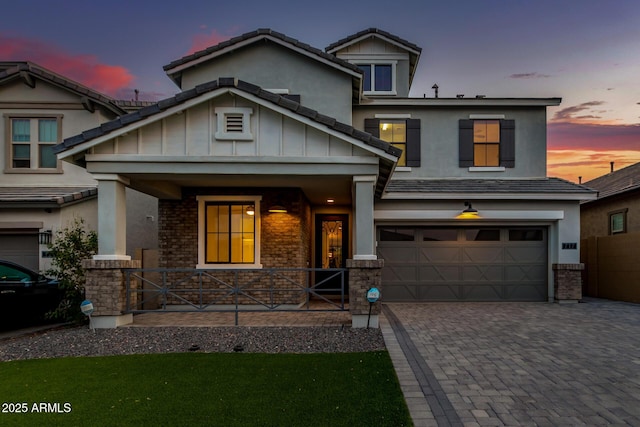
463,264
21,249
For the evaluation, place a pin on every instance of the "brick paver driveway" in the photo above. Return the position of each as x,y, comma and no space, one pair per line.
517,364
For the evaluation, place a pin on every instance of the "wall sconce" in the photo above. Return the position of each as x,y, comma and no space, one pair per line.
251,210
469,212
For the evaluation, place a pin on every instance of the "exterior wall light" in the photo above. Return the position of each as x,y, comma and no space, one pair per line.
277,208
469,212
251,210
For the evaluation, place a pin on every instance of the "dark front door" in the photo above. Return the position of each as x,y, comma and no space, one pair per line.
332,249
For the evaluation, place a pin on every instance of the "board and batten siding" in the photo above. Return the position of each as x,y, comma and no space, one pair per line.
192,133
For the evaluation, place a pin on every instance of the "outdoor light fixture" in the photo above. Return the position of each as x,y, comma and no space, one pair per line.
331,200
278,208
469,212
251,210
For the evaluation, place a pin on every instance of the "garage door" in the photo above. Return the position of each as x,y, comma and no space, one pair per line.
463,264
21,249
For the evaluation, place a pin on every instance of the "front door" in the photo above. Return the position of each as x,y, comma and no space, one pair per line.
332,249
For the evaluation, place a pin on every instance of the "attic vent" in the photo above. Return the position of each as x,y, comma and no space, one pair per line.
233,123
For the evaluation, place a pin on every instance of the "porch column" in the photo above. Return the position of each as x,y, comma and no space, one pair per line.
364,235
112,218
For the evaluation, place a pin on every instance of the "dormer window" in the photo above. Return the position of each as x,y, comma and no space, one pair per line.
378,78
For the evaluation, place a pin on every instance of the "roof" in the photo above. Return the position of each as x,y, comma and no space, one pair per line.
44,197
25,70
373,31
618,182
226,82
174,68
489,186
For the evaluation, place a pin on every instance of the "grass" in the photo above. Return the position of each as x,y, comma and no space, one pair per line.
215,389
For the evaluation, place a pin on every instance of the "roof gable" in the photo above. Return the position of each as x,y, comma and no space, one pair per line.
29,73
175,68
620,181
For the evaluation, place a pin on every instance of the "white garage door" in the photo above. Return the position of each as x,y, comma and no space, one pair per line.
463,264
21,249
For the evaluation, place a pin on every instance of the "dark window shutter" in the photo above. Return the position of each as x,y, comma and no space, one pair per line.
413,142
372,126
508,143
465,143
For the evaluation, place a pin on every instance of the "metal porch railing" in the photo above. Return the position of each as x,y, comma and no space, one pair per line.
235,290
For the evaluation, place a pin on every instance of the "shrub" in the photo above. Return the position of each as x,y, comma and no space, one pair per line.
69,247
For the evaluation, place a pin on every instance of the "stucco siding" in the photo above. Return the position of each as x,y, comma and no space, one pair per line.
595,215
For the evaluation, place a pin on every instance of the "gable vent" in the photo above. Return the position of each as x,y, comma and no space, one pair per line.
234,123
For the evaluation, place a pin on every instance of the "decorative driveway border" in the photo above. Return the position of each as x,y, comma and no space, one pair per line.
517,364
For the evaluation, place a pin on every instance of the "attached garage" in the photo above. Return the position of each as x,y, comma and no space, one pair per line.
21,248
423,263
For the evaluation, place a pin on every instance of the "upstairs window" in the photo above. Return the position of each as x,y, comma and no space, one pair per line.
618,222
401,133
487,143
30,143
378,78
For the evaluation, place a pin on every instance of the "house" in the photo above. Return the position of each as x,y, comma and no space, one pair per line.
40,194
610,234
431,199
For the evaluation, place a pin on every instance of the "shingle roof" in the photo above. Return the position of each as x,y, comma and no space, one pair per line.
620,181
12,70
44,196
257,34
227,82
372,30
542,185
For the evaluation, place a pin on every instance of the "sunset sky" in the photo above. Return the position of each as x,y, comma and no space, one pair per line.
587,52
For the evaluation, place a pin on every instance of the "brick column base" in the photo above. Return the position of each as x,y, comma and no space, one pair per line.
106,289
364,275
567,282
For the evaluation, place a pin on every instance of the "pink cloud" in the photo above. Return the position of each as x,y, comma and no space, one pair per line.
590,136
203,41
85,69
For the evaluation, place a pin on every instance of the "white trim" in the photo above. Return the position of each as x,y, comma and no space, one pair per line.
376,35
111,177
372,62
463,102
372,55
222,113
487,169
486,116
484,215
487,196
112,257
392,116
202,265
403,169
365,257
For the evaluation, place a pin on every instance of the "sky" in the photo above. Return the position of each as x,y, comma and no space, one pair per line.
587,52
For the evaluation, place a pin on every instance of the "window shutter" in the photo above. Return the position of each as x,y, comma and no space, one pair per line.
508,143
372,126
465,143
413,142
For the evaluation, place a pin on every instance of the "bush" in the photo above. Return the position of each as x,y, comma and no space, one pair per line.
69,247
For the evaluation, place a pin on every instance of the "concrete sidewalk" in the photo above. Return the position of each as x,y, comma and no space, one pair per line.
517,364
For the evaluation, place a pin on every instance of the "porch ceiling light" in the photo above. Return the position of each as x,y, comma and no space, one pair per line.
277,208
469,212
251,210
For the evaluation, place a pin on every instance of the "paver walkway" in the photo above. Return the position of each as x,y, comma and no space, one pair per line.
517,364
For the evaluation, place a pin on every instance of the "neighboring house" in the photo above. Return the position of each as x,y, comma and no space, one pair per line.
40,194
610,233
364,176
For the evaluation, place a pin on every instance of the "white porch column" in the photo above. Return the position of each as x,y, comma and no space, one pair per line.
364,236
112,218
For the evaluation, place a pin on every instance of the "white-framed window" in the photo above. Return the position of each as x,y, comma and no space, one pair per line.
378,77
234,123
618,222
30,141
229,232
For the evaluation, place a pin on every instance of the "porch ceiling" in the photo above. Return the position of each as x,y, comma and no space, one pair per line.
317,188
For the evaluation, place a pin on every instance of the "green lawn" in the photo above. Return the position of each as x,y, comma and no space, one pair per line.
198,389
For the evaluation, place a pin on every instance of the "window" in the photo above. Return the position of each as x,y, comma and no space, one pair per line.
401,133
487,143
526,235
234,123
482,235
228,231
397,234
378,78
618,222
31,142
